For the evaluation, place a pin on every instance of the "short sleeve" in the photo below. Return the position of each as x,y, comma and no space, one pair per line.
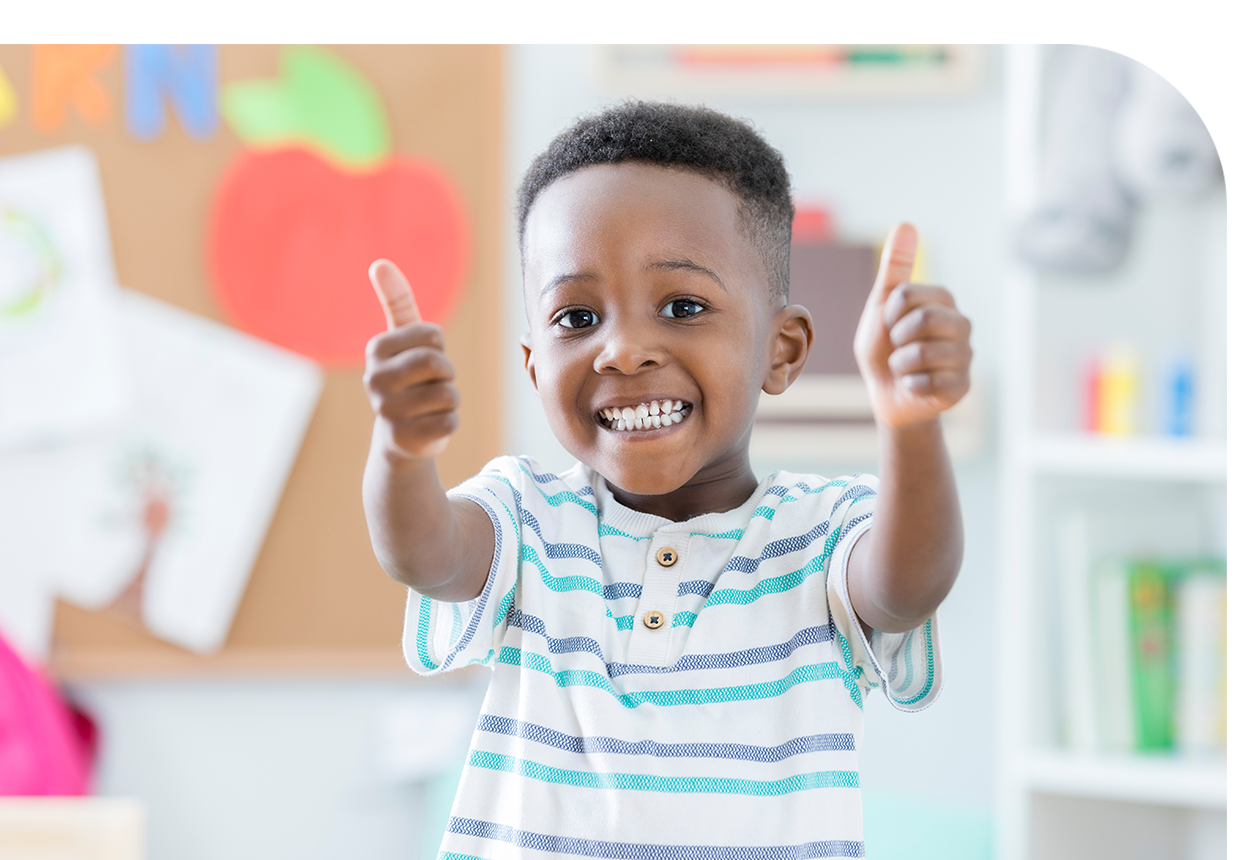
906,665
439,636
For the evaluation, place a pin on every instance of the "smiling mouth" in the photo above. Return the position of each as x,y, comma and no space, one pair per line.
645,416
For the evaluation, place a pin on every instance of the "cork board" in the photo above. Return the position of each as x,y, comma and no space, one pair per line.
317,599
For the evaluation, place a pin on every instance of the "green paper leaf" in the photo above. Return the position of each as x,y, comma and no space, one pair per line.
319,101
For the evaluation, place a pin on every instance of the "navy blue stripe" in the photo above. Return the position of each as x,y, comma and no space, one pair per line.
568,645
643,851
618,590
776,548
549,477
856,491
557,550
725,660
841,742
701,587
850,525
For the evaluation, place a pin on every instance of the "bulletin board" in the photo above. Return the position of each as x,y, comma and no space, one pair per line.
317,599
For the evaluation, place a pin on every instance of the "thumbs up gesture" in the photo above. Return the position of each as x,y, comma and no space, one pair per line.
407,374
912,344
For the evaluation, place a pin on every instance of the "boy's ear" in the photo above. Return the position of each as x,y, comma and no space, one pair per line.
527,355
793,338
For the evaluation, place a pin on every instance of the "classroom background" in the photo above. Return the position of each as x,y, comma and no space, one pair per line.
199,655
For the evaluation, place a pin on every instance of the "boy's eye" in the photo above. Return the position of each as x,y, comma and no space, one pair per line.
578,318
681,308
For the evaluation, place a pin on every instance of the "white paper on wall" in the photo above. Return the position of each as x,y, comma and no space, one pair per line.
169,513
60,373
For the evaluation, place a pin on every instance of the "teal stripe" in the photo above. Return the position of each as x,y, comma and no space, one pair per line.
502,611
853,676
665,784
423,634
667,698
448,855
930,666
561,584
823,488
684,619
908,660
776,584
482,661
607,530
733,534
562,498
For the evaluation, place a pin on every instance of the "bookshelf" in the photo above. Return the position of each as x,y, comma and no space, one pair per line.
1151,459
1159,780
1057,799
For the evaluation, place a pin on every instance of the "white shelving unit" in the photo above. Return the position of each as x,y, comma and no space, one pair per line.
1054,802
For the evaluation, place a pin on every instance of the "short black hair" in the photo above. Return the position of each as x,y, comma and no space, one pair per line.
696,138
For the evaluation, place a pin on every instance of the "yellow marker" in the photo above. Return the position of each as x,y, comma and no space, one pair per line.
8,100
1119,384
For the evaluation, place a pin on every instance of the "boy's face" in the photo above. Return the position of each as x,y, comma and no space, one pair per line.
641,287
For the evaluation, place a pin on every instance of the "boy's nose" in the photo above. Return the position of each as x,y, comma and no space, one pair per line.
627,352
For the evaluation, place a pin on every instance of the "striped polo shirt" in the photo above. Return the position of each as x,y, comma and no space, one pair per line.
666,690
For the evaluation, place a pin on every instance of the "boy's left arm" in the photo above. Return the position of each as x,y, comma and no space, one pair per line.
912,346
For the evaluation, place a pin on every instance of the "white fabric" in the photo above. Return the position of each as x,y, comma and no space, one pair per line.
731,731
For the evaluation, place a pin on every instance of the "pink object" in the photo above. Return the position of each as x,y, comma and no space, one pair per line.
46,747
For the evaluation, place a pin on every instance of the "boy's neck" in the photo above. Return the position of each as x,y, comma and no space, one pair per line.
700,495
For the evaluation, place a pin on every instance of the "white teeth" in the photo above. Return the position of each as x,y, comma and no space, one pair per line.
644,416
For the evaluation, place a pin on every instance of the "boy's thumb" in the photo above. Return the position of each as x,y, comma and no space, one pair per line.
394,294
896,266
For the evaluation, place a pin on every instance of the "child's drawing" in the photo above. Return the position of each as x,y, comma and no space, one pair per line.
155,489
163,520
60,375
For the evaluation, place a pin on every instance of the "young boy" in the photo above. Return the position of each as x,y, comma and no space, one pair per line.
680,652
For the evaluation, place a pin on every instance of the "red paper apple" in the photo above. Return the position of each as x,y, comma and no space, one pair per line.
294,229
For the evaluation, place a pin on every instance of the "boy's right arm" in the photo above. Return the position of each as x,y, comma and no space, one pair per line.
437,546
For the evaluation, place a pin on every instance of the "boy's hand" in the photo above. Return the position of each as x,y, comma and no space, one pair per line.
407,374
912,344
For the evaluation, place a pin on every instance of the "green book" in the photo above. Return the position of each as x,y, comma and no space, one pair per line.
1152,654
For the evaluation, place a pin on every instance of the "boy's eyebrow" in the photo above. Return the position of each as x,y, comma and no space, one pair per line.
663,265
562,280
686,266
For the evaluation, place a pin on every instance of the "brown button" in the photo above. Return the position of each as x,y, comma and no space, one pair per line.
652,620
667,556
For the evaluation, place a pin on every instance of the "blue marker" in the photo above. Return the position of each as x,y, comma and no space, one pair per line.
1180,398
